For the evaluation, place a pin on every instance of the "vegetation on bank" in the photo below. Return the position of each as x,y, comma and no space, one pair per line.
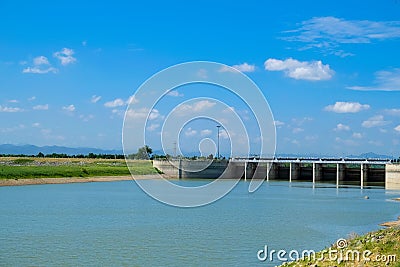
379,248
20,168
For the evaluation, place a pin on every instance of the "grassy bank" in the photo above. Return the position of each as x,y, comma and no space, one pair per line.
381,248
20,168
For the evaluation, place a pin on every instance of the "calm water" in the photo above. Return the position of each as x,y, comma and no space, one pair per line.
116,224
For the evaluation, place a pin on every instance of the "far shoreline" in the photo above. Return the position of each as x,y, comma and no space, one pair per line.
69,180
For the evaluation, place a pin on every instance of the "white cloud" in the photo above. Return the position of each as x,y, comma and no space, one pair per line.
384,81
153,127
37,70
279,123
86,118
328,33
244,67
202,73
32,98
13,101
375,121
393,112
342,127
132,100
38,66
41,60
357,135
347,107
36,125
95,98
174,93
142,113
297,130
65,56
397,128
301,121
10,109
300,70
224,134
115,103
190,132
41,107
206,132
195,107
70,108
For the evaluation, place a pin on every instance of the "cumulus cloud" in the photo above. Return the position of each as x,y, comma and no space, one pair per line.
347,107
115,103
244,67
41,107
279,123
393,112
65,56
375,121
206,132
384,81
38,66
342,127
153,127
174,93
142,113
132,100
357,135
41,60
10,109
397,128
300,70
297,130
190,132
195,107
70,108
95,98
37,70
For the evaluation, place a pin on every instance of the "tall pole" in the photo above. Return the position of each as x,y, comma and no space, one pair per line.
218,126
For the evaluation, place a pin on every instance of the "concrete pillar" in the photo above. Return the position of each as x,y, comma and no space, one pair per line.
268,169
290,172
337,174
313,172
364,170
245,170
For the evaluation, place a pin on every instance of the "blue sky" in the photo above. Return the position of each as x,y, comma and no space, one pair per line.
329,69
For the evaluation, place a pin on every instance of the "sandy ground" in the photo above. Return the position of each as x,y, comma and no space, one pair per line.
15,182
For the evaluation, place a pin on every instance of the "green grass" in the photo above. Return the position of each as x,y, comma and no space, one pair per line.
382,243
73,169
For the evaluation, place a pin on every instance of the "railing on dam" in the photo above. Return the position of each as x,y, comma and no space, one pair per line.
338,169
314,160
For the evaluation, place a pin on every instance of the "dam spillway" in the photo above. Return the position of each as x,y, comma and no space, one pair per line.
361,172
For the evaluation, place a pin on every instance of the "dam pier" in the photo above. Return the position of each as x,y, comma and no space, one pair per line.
338,171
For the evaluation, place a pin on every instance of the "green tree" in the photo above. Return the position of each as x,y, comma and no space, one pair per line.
144,152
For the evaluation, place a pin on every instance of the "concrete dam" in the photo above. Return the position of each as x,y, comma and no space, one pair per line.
361,172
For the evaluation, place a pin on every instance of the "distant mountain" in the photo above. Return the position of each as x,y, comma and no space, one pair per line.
34,150
370,155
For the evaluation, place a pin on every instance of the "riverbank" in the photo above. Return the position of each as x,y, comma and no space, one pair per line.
35,168
39,181
378,248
